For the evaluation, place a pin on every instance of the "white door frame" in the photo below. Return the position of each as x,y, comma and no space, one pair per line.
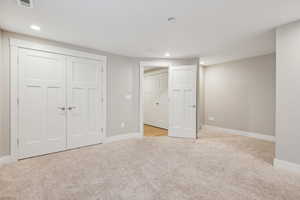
144,64
15,45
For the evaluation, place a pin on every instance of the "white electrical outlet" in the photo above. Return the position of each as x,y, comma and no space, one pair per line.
211,118
123,124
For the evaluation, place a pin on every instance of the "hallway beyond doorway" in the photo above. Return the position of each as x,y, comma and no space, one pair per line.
154,131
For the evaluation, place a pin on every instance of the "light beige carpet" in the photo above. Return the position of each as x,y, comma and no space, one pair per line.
215,167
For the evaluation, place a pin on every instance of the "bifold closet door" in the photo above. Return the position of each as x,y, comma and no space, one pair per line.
84,102
42,99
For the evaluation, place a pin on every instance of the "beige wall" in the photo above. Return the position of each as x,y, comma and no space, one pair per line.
288,93
2,141
201,97
241,95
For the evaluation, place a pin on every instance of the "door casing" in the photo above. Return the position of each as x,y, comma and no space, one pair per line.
15,45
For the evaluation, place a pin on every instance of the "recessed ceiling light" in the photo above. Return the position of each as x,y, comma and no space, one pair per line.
167,54
35,27
172,19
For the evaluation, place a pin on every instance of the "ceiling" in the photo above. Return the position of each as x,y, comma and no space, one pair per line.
215,30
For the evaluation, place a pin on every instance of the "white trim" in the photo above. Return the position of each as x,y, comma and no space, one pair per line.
15,44
281,164
7,160
240,132
54,49
144,64
14,119
104,95
123,137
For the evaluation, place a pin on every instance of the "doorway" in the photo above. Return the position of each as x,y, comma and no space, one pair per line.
156,101
168,96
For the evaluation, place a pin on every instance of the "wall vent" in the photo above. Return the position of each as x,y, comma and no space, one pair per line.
25,3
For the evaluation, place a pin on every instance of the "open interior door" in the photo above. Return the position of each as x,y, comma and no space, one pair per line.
182,105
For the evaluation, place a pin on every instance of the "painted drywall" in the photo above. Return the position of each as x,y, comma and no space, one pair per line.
123,80
2,141
201,97
241,95
288,93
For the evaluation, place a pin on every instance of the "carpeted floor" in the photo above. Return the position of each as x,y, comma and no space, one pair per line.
215,167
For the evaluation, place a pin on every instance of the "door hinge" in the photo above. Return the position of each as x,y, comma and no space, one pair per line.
101,130
18,141
18,101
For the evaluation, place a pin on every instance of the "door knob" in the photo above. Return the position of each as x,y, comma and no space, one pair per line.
157,103
62,108
71,107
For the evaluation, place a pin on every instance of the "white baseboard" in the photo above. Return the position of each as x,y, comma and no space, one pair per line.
6,160
123,137
240,132
281,164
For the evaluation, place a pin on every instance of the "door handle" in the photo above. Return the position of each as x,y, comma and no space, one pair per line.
71,107
157,103
62,108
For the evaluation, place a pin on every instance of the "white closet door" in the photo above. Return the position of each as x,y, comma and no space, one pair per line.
84,102
42,125
182,113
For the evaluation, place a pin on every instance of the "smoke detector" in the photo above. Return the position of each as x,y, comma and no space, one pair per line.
25,3
172,19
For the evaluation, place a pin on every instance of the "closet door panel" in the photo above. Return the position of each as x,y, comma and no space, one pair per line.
42,102
84,102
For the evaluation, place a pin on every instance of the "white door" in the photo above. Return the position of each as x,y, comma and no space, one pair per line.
42,99
156,99
182,112
84,102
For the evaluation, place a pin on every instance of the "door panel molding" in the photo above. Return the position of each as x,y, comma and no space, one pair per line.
15,46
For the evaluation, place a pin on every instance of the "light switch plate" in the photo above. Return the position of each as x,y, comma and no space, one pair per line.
211,118
123,124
